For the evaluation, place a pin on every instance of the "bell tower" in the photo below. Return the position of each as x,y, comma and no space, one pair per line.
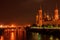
37,21
40,17
56,15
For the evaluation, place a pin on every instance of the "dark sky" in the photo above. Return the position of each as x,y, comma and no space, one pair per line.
24,11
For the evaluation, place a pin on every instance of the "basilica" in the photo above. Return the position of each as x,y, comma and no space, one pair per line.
40,20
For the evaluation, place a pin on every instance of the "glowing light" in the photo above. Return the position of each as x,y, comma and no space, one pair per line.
51,37
56,14
57,39
5,26
12,25
36,19
2,38
1,26
40,17
12,36
29,25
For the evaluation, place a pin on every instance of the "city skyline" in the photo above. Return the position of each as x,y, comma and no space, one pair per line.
22,12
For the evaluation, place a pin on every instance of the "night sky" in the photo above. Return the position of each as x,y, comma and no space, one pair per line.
24,11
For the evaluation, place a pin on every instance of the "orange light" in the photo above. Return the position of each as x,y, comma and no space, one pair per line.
2,38
13,25
12,36
29,25
1,25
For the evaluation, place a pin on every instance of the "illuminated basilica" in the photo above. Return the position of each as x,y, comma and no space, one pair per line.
40,20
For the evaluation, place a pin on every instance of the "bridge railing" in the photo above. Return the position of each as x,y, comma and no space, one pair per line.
45,27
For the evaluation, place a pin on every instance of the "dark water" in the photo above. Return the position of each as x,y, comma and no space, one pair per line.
37,36
20,34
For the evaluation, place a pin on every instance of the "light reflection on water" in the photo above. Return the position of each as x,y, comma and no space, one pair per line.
38,36
19,35
1,38
57,38
12,36
51,37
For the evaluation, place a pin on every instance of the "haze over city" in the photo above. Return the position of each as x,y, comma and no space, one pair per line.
24,11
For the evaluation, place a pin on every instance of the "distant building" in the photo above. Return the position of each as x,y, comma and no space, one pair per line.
37,21
40,17
47,19
56,15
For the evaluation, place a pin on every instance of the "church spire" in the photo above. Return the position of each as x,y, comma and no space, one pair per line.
40,16
56,15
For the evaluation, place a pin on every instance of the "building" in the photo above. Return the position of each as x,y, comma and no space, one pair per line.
40,17
37,17
56,15
49,20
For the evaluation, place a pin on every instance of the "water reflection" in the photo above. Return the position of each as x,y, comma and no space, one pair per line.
34,36
12,36
21,35
51,37
1,38
38,36
57,38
